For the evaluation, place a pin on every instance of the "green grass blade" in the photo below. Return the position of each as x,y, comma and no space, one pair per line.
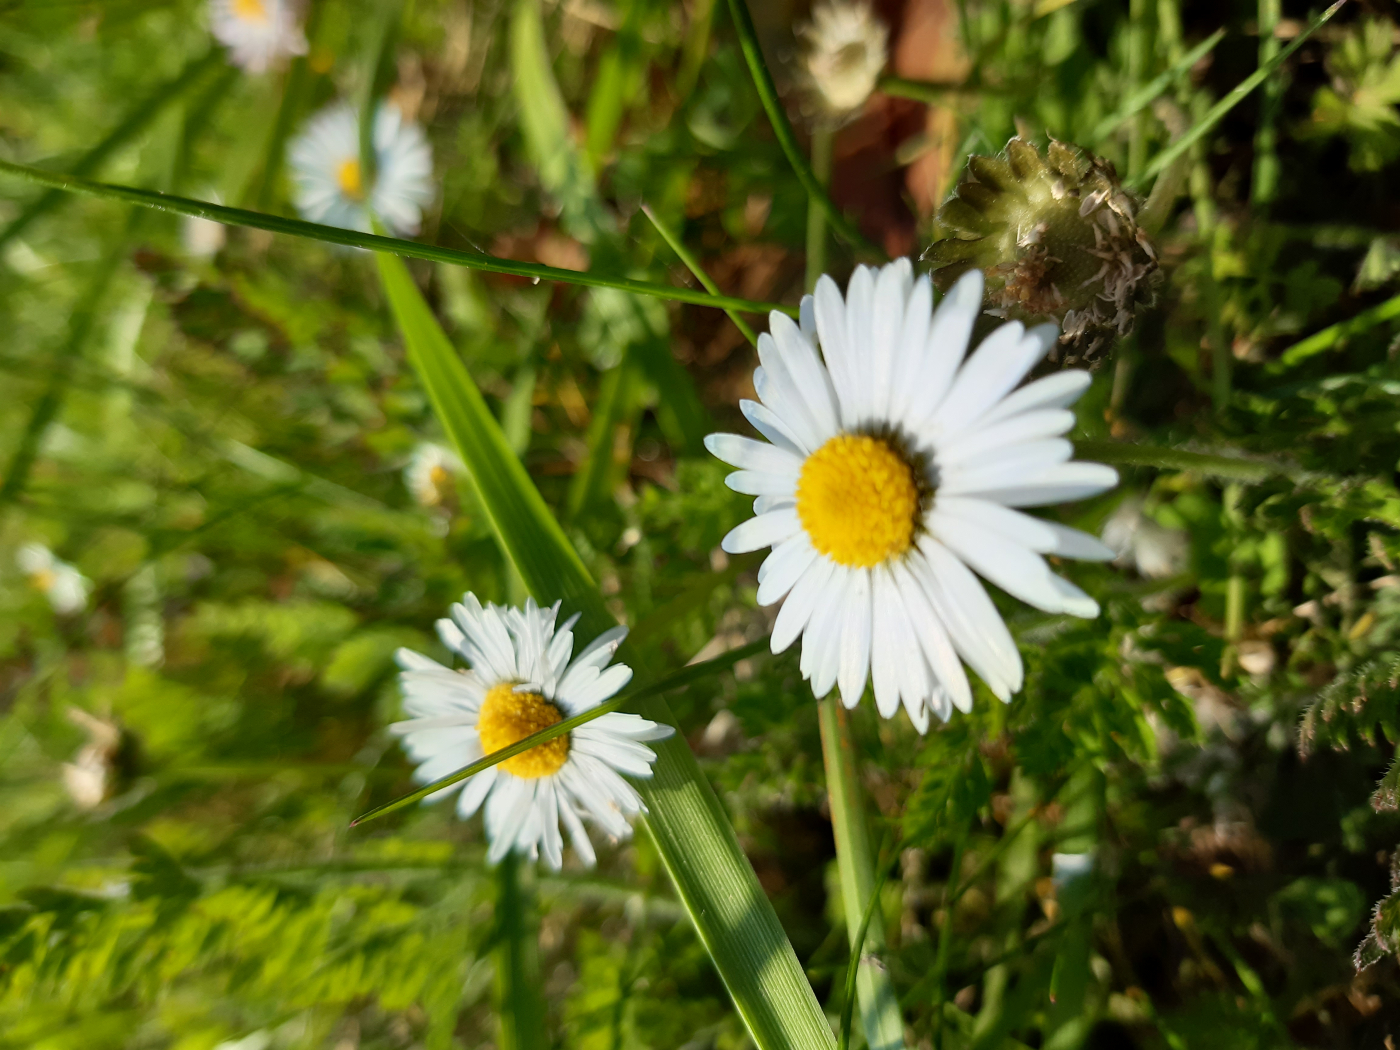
140,118
592,481
855,864
1330,336
693,836
692,264
1149,92
787,139
49,404
544,122
1217,112
375,242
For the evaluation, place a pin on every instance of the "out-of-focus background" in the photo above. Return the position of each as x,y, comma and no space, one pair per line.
221,512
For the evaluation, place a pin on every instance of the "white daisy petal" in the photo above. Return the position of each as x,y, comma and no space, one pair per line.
767,423
1057,391
748,454
800,359
784,567
912,354
946,345
1027,427
762,483
1058,484
521,677
811,587
854,665
766,530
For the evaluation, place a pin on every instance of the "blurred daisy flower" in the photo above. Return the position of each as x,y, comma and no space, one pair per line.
330,186
845,48
521,680
63,585
891,470
1139,543
258,33
428,474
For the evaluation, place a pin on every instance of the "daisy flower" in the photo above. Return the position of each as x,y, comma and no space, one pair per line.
892,469
257,33
520,681
429,472
63,585
845,50
330,187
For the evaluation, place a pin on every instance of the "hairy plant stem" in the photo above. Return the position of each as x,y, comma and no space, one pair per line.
855,864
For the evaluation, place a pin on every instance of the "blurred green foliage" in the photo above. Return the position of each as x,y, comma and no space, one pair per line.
217,442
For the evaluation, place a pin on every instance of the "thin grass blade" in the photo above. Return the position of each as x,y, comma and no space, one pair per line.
375,242
1217,112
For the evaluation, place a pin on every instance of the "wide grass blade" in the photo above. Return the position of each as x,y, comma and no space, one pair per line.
140,118
375,242
692,833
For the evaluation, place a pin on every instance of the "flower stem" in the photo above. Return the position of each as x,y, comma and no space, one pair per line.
519,1009
879,1009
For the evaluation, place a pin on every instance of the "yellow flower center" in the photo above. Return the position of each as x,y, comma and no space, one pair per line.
507,716
45,579
347,176
858,499
250,10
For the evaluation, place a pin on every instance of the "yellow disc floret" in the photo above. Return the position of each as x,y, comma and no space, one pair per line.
858,500
250,10
507,716
347,176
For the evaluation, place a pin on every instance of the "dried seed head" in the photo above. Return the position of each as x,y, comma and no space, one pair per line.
844,51
1058,239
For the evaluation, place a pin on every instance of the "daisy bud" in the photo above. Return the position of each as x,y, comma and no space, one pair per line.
1058,239
844,52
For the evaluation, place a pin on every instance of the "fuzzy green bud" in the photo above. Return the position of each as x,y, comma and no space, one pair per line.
1058,239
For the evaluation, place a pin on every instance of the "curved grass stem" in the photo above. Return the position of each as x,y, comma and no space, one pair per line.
787,138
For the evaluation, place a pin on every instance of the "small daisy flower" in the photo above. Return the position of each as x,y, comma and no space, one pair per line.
258,33
63,585
844,53
330,187
892,470
429,473
521,680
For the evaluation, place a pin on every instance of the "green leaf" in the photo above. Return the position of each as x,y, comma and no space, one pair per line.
692,833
